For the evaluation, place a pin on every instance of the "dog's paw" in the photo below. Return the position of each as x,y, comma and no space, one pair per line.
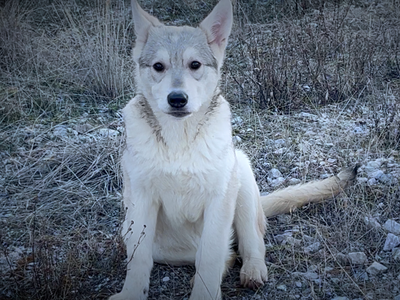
126,296
116,297
253,275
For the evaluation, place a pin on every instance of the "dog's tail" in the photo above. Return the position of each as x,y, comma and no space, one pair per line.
290,198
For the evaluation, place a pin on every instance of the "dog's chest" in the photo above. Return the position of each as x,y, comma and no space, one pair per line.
184,182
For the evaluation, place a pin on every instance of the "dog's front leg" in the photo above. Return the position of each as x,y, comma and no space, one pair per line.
138,232
214,249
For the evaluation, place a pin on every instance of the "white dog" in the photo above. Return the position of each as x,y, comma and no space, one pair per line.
186,189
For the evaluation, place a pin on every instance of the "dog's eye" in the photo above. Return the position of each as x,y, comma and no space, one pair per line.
194,65
159,67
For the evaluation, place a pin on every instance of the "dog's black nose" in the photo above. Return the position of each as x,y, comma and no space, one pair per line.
177,99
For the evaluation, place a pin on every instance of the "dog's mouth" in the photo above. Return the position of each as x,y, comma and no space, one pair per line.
179,114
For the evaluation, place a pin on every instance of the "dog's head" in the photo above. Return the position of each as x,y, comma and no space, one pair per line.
177,68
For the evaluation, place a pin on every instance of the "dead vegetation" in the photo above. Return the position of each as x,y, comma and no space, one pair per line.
314,87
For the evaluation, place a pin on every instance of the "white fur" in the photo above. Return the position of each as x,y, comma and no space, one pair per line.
186,189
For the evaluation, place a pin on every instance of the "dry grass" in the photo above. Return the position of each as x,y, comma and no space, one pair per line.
65,71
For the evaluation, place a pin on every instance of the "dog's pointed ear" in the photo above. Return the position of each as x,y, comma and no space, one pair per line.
142,22
217,27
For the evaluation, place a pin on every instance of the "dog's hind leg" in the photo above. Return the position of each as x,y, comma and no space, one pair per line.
249,224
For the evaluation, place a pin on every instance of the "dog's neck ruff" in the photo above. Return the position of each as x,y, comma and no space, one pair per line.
147,113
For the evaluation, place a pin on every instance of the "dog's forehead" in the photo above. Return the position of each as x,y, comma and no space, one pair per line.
176,40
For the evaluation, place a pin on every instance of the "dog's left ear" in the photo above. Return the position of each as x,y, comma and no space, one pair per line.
143,21
217,27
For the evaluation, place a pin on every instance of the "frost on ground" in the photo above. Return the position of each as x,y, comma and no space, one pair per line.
61,195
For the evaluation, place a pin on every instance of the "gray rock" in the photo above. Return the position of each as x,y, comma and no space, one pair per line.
391,242
277,181
376,174
282,287
274,173
385,178
60,131
372,167
294,181
376,268
106,132
357,258
83,128
342,258
372,222
298,284
312,248
291,241
236,139
307,275
332,160
280,238
361,276
392,226
396,254
280,142
284,219
362,180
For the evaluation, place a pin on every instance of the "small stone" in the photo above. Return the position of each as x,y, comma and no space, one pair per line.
292,241
392,226
391,242
372,167
106,132
284,219
165,279
282,287
342,258
335,280
331,160
377,174
376,268
371,181
60,131
312,248
276,182
294,181
361,276
298,284
308,275
83,128
396,254
357,258
279,142
280,238
236,139
385,178
372,222
362,180
274,173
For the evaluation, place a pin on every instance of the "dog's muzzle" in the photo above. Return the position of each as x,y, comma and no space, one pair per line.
177,101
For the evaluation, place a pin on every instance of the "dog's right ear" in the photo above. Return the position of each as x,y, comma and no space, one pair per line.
217,27
142,22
